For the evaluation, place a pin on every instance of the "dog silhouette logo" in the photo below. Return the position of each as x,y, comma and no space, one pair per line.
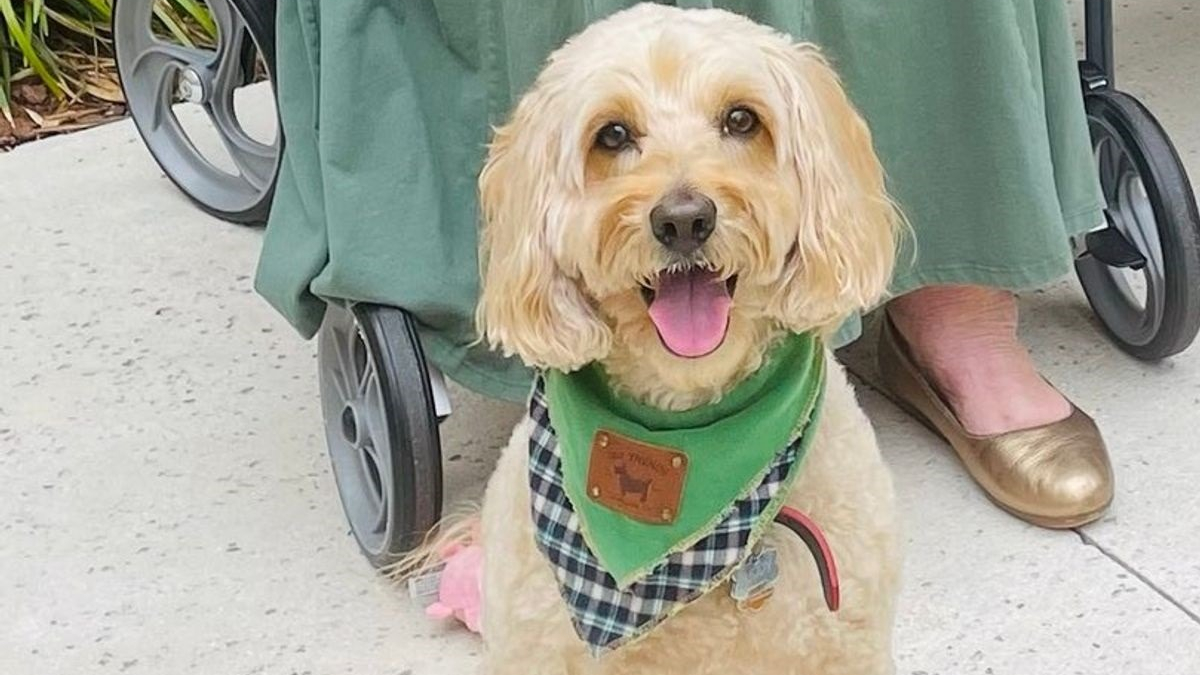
631,486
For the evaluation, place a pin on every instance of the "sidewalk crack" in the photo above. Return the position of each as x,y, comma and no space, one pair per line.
1088,541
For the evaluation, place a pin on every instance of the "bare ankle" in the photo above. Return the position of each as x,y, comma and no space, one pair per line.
947,325
965,340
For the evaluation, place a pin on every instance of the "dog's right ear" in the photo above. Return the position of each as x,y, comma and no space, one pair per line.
528,306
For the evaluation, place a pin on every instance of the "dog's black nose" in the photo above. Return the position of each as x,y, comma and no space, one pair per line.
683,220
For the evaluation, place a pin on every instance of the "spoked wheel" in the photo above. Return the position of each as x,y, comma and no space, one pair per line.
381,427
1141,273
233,178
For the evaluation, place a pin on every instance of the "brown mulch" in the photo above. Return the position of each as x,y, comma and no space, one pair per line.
36,114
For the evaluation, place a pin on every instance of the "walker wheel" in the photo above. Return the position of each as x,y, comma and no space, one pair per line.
380,427
161,74
1142,273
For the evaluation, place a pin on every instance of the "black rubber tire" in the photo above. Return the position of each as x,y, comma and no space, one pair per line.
1178,224
259,16
411,442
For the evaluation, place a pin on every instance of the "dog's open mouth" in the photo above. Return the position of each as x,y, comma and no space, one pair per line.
690,309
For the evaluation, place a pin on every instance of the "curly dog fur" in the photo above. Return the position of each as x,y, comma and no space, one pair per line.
805,226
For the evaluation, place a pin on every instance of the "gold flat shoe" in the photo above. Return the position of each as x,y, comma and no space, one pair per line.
1057,475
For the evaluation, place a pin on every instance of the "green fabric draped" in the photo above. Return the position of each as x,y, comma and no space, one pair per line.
975,109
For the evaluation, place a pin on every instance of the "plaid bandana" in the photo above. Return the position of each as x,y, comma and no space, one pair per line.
605,616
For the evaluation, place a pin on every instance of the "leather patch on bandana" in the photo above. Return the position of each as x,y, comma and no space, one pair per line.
644,482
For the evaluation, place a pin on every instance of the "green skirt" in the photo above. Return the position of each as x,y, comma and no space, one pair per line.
975,108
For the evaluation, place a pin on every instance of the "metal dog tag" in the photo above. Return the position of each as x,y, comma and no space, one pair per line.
754,582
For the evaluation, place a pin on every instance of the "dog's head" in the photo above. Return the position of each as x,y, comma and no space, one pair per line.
678,185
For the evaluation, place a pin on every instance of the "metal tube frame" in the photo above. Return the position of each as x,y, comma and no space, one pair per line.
1098,68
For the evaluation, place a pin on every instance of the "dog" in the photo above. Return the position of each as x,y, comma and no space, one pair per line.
662,144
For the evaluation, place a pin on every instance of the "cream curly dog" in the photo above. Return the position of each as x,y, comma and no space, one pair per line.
663,149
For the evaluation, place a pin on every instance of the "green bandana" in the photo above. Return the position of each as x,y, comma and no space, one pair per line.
729,446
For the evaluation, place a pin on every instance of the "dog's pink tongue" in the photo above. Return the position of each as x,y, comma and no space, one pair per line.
691,312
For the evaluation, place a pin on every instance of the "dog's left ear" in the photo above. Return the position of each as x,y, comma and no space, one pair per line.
845,250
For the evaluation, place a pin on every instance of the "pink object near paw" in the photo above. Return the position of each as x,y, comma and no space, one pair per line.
460,589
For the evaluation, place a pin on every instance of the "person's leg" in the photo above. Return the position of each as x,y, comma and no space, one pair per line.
965,340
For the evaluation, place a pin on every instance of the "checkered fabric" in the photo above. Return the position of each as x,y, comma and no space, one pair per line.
604,615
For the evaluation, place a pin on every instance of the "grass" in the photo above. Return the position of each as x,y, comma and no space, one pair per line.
66,45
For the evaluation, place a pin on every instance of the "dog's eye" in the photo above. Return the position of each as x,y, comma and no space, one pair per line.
740,122
614,136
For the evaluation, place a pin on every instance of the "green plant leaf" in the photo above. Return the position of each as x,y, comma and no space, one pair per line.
85,28
6,108
5,81
172,23
25,44
201,15
54,65
95,11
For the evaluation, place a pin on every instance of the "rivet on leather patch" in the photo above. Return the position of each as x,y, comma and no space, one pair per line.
644,482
